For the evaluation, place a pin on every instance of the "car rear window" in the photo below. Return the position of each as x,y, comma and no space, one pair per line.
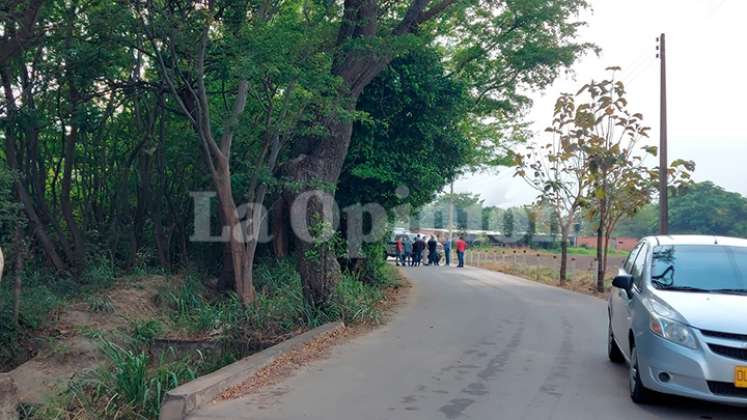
710,267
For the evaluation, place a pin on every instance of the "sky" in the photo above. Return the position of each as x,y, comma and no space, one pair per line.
706,68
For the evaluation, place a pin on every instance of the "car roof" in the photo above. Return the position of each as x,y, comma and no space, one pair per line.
696,240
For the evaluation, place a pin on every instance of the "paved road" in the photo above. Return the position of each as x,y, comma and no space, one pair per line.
470,344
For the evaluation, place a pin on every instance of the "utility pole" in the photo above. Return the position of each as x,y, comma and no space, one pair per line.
663,160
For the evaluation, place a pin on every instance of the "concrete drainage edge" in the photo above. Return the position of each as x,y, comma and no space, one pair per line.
182,400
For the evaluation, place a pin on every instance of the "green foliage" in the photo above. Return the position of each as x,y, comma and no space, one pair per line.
10,209
278,310
411,136
503,51
531,224
508,223
128,385
490,218
598,160
39,300
99,274
701,208
707,209
377,270
591,252
356,302
108,157
11,353
145,331
188,307
39,305
468,210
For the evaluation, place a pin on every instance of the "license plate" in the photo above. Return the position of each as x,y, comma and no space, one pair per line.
740,377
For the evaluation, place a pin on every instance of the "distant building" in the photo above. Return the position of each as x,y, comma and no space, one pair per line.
496,238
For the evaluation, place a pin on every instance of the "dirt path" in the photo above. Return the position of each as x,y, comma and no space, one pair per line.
71,349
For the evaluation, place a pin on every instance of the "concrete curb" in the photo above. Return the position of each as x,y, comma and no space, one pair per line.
181,401
8,398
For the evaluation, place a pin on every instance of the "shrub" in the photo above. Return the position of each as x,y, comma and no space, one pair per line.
128,386
356,302
145,331
99,273
278,311
188,307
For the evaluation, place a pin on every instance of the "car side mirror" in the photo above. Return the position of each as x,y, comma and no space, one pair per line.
623,281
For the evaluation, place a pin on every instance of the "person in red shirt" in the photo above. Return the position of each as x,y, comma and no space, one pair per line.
461,246
400,249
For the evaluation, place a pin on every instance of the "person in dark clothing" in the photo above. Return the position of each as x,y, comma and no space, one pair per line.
447,251
420,246
415,251
432,253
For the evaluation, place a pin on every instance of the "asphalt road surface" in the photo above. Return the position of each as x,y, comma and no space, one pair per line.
469,344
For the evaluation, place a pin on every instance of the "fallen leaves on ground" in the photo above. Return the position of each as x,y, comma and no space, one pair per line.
285,365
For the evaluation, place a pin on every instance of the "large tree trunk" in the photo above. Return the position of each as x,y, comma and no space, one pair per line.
321,161
316,260
317,263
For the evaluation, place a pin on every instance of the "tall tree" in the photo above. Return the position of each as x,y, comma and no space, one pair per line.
707,209
488,219
558,171
371,34
410,136
531,213
621,181
508,223
272,58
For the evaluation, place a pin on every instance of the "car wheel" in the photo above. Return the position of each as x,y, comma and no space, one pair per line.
613,351
638,393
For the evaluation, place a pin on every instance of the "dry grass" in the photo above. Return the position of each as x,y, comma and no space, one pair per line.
581,281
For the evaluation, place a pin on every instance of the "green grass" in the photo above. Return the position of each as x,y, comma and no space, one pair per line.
128,386
145,331
591,252
39,303
131,385
355,302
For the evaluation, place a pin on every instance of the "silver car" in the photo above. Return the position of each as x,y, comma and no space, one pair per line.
678,317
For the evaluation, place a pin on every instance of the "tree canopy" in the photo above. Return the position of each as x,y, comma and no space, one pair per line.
113,113
702,208
411,135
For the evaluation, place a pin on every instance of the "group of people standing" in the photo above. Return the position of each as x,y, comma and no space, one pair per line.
410,252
